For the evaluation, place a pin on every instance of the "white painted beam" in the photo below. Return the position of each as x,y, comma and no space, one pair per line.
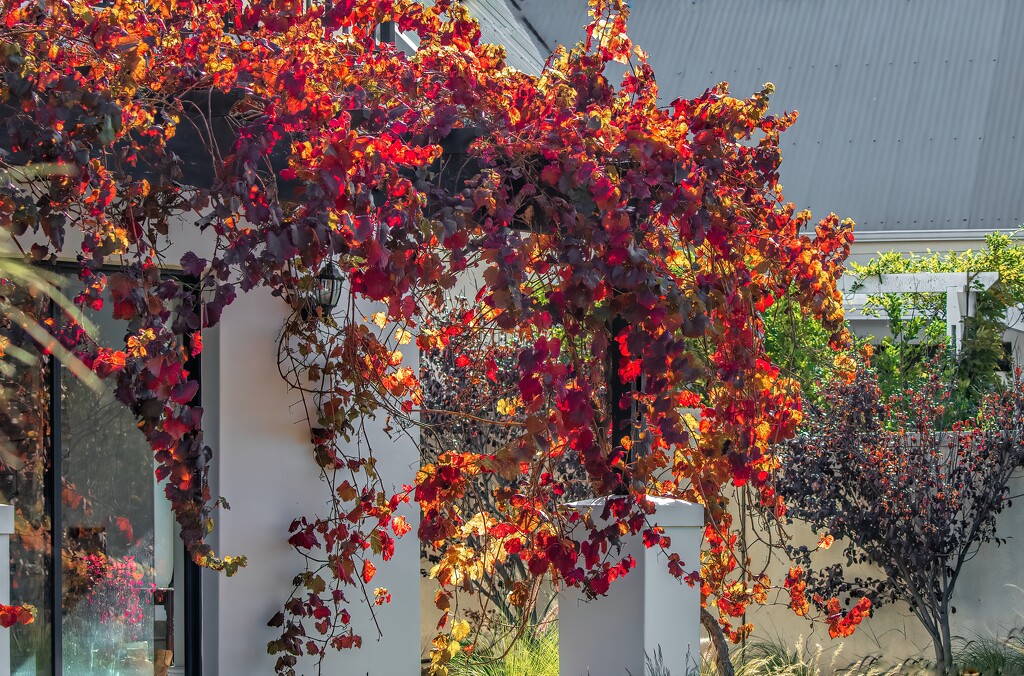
918,282
409,39
961,289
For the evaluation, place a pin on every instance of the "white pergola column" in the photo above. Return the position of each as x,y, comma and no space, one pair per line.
6,531
643,613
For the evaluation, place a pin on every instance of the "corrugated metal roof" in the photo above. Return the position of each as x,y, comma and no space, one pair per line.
498,25
910,110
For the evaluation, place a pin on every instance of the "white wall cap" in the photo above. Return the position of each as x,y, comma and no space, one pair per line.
671,513
6,519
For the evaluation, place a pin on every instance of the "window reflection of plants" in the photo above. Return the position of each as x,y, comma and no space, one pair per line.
27,295
108,472
113,613
108,524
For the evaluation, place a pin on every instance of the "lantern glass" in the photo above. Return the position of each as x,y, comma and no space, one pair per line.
328,287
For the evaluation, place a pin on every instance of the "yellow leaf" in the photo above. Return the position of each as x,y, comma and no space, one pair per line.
460,630
401,335
763,430
507,406
478,525
379,318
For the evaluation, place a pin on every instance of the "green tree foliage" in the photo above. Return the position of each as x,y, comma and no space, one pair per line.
799,345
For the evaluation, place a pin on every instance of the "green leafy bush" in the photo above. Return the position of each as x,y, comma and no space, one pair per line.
799,345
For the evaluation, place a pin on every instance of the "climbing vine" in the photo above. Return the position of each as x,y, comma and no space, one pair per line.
627,250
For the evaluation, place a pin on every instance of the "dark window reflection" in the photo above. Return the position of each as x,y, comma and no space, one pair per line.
24,466
118,556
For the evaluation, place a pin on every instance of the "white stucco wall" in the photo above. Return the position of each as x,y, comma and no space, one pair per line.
647,617
869,244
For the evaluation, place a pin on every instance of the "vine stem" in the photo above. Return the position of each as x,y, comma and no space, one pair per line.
722,661
474,418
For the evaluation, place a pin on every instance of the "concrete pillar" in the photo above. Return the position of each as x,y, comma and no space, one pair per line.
643,613
6,531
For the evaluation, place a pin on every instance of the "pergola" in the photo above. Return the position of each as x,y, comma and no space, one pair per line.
961,289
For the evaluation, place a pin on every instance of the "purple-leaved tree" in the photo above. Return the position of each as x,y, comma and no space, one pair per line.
904,487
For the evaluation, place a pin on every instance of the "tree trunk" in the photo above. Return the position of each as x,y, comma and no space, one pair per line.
946,643
718,642
940,659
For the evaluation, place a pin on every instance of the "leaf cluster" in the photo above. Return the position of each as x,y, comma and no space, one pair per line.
612,240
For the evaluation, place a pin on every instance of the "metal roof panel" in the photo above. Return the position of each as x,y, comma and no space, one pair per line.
498,25
910,109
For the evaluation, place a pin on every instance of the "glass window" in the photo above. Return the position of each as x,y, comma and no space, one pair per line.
121,607
24,480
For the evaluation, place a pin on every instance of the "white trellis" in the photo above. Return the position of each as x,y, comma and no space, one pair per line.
961,289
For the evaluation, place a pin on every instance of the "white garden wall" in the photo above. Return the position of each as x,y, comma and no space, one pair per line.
989,601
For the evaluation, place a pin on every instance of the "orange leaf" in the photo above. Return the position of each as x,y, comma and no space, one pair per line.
369,570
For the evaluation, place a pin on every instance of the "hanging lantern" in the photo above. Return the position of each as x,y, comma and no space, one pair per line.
327,291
